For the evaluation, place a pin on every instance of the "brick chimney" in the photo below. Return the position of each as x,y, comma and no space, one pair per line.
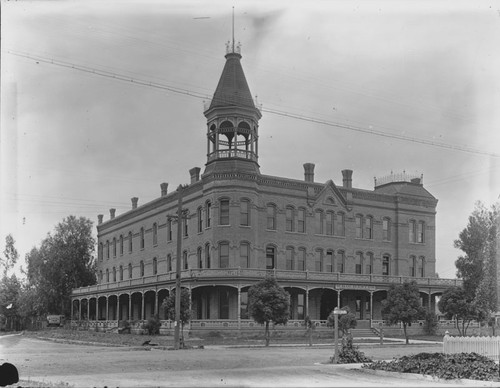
112,213
309,172
164,188
347,179
99,219
195,174
134,202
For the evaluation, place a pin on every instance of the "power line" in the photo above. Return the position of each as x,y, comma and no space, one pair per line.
156,85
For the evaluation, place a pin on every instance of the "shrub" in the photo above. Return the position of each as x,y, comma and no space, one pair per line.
349,354
431,323
152,325
446,366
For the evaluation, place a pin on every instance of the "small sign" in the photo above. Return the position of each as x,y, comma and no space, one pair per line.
337,311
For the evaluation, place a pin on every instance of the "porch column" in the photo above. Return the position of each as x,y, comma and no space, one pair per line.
142,309
338,298
96,308
72,301
190,305
79,309
129,307
117,313
307,301
239,307
371,307
430,297
156,304
88,309
107,308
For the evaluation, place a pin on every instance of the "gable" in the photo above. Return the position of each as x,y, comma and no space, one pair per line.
330,197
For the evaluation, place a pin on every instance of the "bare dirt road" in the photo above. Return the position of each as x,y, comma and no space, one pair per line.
96,366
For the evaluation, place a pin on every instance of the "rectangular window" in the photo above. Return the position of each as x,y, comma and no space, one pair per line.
385,265
301,260
199,256
208,214
319,222
169,230
271,217
155,234
359,230
142,238
358,269
411,271
185,260
318,263
386,235
270,257
185,226
207,256
244,215
340,227
224,212
301,218
224,255
368,269
200,220
329,261
368,228
289,219
329,224
411,235
340,262
121,245
420,232
289,259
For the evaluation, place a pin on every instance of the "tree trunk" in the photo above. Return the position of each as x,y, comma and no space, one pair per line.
406,335
267,333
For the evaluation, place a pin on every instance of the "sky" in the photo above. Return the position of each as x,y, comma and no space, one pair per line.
103,101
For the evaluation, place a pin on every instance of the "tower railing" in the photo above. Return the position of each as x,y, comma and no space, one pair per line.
233,153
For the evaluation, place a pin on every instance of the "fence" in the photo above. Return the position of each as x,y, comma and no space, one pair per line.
486,346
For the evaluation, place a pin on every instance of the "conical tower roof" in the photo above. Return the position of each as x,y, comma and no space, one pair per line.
232,89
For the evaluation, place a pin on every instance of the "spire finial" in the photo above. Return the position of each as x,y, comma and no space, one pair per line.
233,28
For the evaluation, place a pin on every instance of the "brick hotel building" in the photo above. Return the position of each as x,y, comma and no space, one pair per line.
327,244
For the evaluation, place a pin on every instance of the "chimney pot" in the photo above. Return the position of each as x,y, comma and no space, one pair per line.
99,219
195,174
347,179
309,172
164,188
112,213
134,202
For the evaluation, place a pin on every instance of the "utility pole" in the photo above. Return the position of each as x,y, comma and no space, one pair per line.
182,214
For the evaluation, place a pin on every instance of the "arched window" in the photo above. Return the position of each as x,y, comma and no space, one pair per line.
290,258
224,212
207,255
114,274
386,265
359,226
290,219
340,226
358,264
421,267
318,260
100,251
155,266
369,263
329,223
412,266
301,259
130,271
142,238
185,260
411,231
169,229
244,212
270,257
244,255
421,232
121,244
199,214
340,261
224,255
185,226
155,234
208,214
100,276
271,217
107,249
121,272
199,257
142,268
368,232
130,242
329,261
169,263
386,229
301,220
114,246
107,275
320,217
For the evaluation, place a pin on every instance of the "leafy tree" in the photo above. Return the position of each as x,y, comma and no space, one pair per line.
478,266
64,261
346,321
403,305
10,289
186,314
10,255
456,303
268,302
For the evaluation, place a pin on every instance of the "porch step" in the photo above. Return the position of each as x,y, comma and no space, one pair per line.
367,333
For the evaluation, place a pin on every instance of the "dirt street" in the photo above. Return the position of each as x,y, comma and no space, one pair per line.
95,366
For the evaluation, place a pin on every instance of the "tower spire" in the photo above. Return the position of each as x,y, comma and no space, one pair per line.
233,28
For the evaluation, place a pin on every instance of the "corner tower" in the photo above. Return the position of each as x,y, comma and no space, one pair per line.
232,120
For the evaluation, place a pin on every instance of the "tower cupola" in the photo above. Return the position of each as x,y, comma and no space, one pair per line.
232,120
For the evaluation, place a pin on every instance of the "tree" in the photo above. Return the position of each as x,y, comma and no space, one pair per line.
63,262
403,305
478,266
268,302
10,289
456,303
186,313
10,255
346,321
